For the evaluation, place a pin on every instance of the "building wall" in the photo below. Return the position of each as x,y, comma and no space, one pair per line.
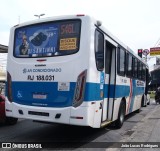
3,58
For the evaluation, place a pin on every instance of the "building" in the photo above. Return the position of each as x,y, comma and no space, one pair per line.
155,78
3,49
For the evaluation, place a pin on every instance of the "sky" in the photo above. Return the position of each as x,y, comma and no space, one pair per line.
134,22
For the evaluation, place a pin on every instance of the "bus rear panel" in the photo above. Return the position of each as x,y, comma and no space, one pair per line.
47,73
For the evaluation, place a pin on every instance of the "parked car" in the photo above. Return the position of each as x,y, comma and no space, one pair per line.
3,118
2,108
145,100
157,95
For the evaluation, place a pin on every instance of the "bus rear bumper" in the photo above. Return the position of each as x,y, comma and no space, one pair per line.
69,115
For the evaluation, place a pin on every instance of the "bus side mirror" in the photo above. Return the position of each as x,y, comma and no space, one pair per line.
99,50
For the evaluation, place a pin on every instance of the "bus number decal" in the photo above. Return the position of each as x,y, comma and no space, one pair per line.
41,77
67,29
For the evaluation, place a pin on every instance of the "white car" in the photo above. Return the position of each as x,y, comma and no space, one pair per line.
148,99
145,100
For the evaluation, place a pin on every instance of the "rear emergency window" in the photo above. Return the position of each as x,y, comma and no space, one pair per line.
47,39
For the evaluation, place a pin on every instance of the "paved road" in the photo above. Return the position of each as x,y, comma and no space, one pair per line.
28,131
146,132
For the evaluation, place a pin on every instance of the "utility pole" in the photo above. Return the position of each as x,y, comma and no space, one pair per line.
19,19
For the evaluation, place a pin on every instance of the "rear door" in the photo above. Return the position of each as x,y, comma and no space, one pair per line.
109,87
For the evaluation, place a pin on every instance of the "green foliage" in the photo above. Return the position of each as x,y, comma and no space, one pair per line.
152,94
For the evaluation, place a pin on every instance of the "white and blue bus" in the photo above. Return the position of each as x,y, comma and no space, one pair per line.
71,70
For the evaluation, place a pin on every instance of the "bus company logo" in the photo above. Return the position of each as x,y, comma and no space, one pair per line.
24,70
42,70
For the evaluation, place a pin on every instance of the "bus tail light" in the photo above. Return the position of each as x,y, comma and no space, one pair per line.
9,87
79,89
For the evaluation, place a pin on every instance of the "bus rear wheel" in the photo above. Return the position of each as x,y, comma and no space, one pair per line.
143,101
121,115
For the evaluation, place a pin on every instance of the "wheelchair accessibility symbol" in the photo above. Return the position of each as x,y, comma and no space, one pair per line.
19,94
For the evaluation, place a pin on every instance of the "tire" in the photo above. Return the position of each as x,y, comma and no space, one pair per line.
142,102
138,111
11,120
121,115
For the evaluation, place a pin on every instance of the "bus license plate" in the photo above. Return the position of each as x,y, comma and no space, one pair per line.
39,96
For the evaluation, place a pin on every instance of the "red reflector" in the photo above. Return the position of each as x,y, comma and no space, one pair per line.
80,15
41,60
8,110
77,117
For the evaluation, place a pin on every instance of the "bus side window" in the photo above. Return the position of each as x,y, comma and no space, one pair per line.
120,62
99,50
143,72
139,70
135,68
129,72
133,64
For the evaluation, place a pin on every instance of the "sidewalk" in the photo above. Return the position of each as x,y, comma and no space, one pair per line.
146,131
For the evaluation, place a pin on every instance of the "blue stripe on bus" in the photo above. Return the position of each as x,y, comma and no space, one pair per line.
57,98
23,94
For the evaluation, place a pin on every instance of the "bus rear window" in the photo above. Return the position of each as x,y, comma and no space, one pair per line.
47,39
